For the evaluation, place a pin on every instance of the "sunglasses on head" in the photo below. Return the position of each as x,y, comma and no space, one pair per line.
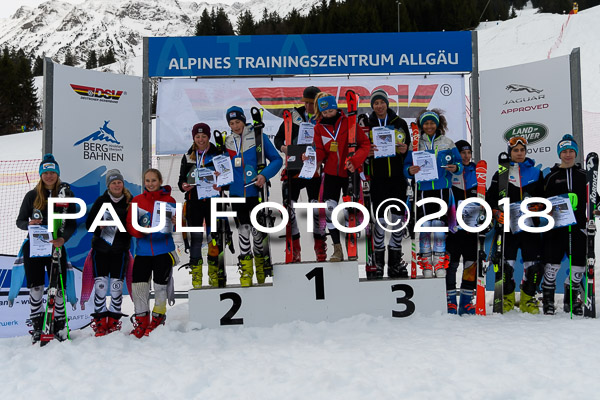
515,140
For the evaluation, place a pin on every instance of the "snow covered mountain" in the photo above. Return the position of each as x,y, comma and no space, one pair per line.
55,26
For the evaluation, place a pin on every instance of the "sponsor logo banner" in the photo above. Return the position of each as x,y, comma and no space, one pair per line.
185,102
310,54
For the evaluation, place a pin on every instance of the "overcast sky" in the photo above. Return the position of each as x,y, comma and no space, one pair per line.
9,7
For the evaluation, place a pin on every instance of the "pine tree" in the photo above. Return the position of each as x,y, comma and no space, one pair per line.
204,27
246,24
110,57
38,66
69,58
92,60
222,25
26,105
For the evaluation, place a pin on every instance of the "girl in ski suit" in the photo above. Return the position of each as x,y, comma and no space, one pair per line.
461,242
200,155
109,255
331,145
241,146
432,125
387,182
304,114
34,211
153,257
566,178
525,180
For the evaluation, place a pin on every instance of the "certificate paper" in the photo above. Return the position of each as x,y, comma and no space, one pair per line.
169,212
205,179
428,165
223,166
310,166
306,133
384,140
39,241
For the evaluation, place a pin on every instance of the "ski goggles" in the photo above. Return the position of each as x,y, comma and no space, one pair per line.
515,140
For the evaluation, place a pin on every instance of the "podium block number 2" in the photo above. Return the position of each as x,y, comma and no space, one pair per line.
317,273
237,303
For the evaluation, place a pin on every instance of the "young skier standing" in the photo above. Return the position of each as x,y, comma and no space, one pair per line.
387,181
34,211
525,180
566,178
302,115
153,258
242,148
433,140
462,243
199,156
331,145
109,255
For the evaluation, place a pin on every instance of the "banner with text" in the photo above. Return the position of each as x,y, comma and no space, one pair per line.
531,100
184,102
343,53
97,126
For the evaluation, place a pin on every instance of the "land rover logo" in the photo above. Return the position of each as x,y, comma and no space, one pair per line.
532,131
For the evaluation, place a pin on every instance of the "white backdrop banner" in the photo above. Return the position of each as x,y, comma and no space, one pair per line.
97,126
185,102
531,100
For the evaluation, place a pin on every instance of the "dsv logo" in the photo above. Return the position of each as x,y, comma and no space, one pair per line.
94,92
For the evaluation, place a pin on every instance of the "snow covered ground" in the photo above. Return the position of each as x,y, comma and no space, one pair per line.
512,356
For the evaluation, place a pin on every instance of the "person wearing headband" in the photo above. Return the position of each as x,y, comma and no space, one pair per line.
433,260
331,145
387,181
525,180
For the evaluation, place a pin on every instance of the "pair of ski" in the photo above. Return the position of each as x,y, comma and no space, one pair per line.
588,290
55,278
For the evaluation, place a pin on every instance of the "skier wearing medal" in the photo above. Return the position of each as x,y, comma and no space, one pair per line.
433,260
525,180
566,178
302,118
387,181
199,158
34,211
462,243
331,145
241,147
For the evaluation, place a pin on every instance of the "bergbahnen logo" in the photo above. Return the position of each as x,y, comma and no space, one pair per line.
534,132
97,94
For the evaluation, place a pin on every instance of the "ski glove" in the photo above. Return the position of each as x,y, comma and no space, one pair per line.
499,216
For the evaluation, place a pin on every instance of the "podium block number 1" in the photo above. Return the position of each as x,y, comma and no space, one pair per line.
317,273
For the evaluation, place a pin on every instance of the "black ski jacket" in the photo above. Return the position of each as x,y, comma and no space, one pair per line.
187,164
524,180
389,167
298,116
122,240
557,183
26,211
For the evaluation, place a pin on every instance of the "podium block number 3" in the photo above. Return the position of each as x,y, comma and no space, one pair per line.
408,294
317,273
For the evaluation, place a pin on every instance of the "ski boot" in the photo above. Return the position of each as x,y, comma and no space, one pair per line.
397,267
196,272
157,320
259,265
296,255
440,264
451,300
548,301
379,258
60,333
320,248
112,323
509,302
99,324
246,270
466,305
577,305
140,323
37,322
213,264
528,304
338,253
425,264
